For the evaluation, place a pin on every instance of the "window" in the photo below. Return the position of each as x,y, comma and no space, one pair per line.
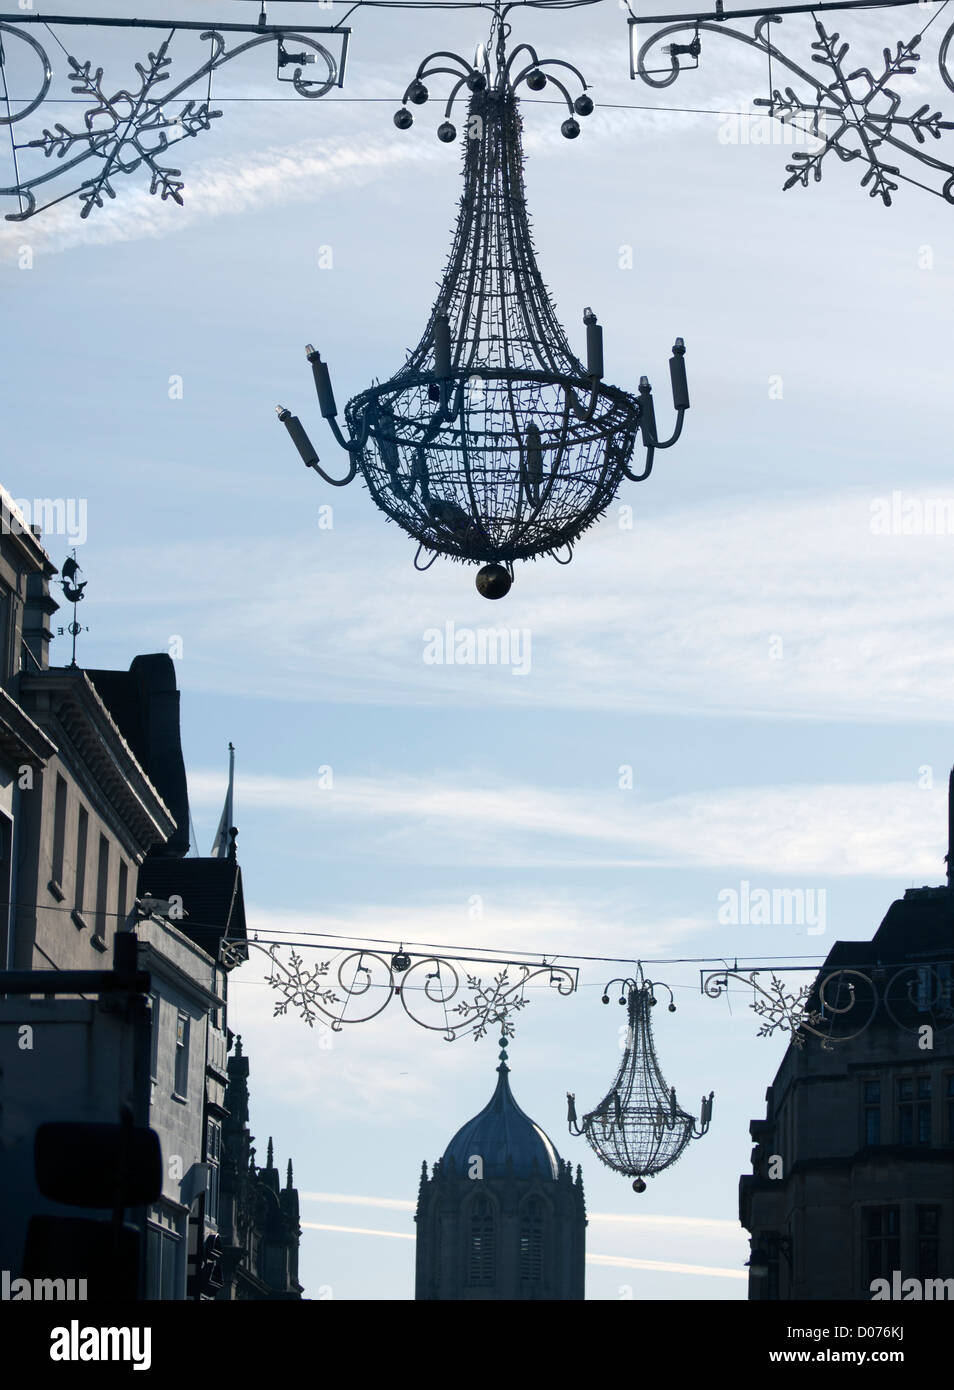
154,1061
122,894
6,867
59,831
82,832
934,987
531,1241
162,1254
882,1242
182,1055
213,1157
102,885
914,1110
929,1240
480,1263
871,1092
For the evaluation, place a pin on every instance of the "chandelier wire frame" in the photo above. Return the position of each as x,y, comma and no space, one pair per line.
494,442
639,1128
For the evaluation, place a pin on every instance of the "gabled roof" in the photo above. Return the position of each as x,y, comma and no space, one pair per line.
211,893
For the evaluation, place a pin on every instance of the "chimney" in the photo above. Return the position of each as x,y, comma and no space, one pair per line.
39,606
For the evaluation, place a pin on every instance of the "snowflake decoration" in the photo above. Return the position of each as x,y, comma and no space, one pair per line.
782,1008
851,113
301,988
864,117
132,128
126,130
492,1004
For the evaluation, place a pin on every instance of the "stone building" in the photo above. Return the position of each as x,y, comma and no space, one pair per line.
853,1165
500,1217
94,843
258,1218
25,750
190,973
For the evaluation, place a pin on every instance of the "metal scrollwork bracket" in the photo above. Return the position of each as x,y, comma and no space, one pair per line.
851,113
132,128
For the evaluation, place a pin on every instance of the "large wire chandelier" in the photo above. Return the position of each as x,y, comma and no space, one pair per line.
493,442
638,1128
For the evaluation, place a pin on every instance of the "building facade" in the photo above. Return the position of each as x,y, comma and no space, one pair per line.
853,1164
258,1218
500,1217
94,844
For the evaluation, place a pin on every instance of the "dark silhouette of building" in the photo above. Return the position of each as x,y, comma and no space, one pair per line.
94,849
501,1216
853,1165
259,1227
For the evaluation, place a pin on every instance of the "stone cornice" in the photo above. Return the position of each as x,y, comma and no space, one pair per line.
20,739
67,696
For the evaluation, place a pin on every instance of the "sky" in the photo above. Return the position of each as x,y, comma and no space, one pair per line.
748,684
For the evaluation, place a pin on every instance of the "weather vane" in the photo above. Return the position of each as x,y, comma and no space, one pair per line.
494,443
73,593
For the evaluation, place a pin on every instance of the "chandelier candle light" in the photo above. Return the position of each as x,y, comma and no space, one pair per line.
494,442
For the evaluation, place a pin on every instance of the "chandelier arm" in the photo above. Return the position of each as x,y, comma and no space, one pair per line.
453,96
338,482
424,71
522,48
680,416
585,413
562,63
641,477
422,569
555,81
309,456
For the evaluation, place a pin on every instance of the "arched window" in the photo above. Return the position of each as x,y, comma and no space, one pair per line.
531,1241
481,1243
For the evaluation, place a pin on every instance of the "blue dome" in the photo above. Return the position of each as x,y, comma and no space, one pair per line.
503,1131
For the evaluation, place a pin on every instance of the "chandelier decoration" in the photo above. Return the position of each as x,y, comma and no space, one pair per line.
123,130
851,113
443,994
494,443
638,1128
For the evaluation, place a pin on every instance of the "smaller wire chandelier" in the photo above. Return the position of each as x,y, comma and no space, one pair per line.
493,442
638,1128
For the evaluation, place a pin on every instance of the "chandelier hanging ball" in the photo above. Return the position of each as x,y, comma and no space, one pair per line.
494,442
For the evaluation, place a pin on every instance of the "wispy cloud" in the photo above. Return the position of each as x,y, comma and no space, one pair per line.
896,829
613,1261
647,1220
788,607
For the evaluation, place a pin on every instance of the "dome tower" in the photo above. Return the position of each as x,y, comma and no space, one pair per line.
500,1217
